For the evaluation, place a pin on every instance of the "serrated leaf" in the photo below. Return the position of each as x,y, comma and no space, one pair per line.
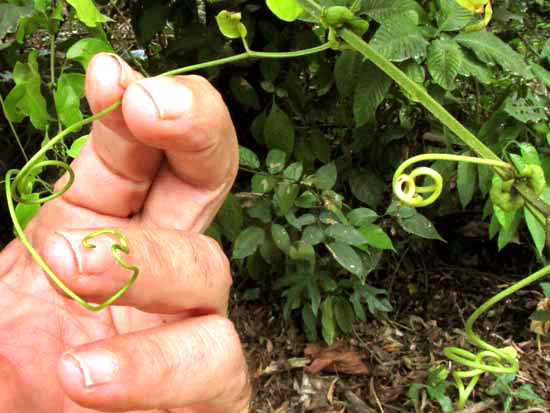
87,12
346,234
344,314
376,237
327,321
280,237
399,39
325,177
383,10
415,223
248,242
444,62
77,146
466,182
346,257
371,90
287,10
279,130
83,50
453,16
248,159
70,90
492,50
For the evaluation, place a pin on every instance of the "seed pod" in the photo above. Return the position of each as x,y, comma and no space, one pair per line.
336,16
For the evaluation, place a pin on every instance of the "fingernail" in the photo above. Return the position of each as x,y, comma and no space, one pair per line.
93,366
74,247
171,98
126,75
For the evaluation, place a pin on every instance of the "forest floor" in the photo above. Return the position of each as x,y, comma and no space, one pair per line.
433,288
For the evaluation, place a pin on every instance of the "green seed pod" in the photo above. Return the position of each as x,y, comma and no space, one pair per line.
359,26
535,175
337,16
503,195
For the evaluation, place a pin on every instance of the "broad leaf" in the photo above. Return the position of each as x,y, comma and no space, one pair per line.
384,10
346,234
371,89
415,223
346,257
325,177
287,10
453,16
285,195
248,159
10,14
376,237
70,90
279,130
230,24
536,229
248,242
280,237
87,12
83,50
230,217
77,146
399,39
444,62
327,321
344,314
275,161
466,181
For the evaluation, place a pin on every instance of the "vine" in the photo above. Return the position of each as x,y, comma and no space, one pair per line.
345,30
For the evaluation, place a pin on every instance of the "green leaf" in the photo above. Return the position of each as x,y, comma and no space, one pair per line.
70,90
491,50
399,39
275,161
507,234
280,237
529,154
310,323
466,181
346,257
374,302
230,217
346,71
536,230
77,146
417,224
546,289
325,177
320,146
285,195
244,92
524,110
262,184
370,91
260,208
248,242
344,314
302,251
83,50
346,234
362,216
87,12
10,15
307,200
526,392
540,315
287,10
279,130
313,293
327,321
248,159
384,10
294,171
313,235
376,237
367,186
230,24
444,62
25,213
453,16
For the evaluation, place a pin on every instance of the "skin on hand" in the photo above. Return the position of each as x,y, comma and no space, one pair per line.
157,169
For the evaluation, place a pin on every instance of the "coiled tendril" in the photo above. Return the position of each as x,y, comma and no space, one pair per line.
20,191
491,359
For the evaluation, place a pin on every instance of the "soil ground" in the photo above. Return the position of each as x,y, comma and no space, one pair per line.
433,289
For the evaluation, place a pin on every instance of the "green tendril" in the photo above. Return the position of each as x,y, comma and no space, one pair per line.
405,187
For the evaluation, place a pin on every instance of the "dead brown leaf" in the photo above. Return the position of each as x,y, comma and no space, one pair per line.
336,358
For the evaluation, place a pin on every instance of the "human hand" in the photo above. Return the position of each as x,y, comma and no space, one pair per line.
158,173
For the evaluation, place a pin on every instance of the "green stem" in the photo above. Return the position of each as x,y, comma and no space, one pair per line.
12,128
418,92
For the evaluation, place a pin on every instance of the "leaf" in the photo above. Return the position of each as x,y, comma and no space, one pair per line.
370,91
444,62
275,161
376,237
262,184
546,289
310,323
287,10
285,195
367,187
279,130
87,12
313,235
374,302
346,257
524,110
466,181
83,50
230,217
344,314
491,50
230,24
417,224
327,321
526,392
346,234
10,15
307,200
260,208
280,237
453,16
25,213
248,159
77,146
294,171
248,242
507,234
346,72
70,90
244,92
384,10
325,177
362,216
399,39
